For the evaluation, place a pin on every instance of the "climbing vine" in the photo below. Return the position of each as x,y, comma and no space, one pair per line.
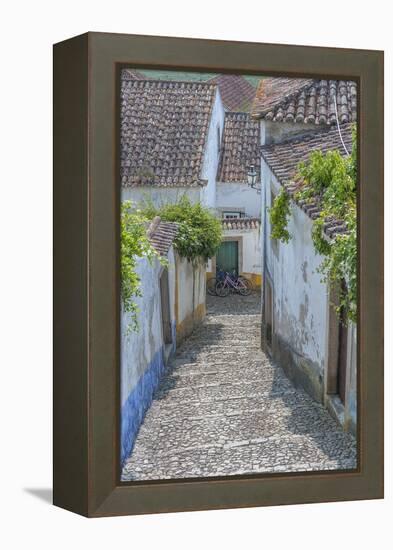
199,231
279,214
134,244
330,179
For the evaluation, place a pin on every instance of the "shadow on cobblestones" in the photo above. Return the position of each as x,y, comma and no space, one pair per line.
306,419
223,408
188,356
234,304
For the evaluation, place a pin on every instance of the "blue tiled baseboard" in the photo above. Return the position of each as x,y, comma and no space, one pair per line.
139,400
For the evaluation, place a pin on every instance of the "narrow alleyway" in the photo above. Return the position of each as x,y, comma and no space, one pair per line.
225,409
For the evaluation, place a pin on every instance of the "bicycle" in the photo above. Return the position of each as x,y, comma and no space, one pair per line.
212,282
238,284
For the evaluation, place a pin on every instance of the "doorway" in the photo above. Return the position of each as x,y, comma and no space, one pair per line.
165,307
338,345
227,258
268,314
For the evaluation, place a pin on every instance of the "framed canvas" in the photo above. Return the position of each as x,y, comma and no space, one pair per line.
218,274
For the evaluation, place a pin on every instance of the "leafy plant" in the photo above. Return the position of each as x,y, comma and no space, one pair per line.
330,179
199,231
279,214
134,244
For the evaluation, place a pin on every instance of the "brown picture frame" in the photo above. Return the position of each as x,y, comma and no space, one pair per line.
86,275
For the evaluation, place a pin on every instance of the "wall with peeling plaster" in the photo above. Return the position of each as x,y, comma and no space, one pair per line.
300,297
143,355
300,341
190,303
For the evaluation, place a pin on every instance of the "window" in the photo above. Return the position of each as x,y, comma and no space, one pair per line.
232,214
218,140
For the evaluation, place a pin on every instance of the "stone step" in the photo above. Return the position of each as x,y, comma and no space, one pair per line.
289,453
232,357
221,430
224,409
269,388
235,406
188,376
252,368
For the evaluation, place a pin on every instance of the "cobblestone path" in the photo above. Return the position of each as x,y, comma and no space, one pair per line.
224,409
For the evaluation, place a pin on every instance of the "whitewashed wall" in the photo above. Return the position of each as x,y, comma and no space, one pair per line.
300,297
238,195
191,296
277,132
351,404
211,157
160,195
301,311
142,352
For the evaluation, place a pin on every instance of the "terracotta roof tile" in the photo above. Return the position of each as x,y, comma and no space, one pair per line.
161,235
133,74
305,100
283,160
164,126
236,92
240,148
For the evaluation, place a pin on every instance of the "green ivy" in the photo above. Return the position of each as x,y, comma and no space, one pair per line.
279,214
199,231
134,244
331,179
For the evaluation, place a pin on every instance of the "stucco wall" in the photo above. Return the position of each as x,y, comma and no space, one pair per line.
276,132
300,342
300,299
142,353
211,157
238,195
190,296
160,195
351,403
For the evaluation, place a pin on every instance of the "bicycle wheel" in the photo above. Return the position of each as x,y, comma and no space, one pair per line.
211,286
222,289
248,282
244,286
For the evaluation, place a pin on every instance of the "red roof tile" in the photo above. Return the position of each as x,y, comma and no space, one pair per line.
305,100
240,148
164,126
283,160
236,92
161,235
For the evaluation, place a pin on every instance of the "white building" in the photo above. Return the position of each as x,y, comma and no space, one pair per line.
170,140
236,202
301,329
177,138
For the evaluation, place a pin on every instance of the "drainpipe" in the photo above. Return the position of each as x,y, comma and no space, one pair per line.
263,264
